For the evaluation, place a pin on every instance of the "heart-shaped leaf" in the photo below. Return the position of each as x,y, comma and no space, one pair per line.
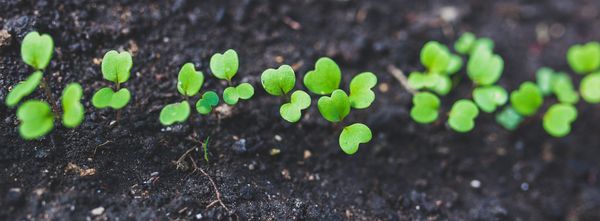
173,113
24,88
354,135
485,68
292,112
106,97
36,119
278,81
425,107
336,107
590,88
244,91
488,98
435,57
209,100
464,44
527,99
361,95
563,88
584,58
509,118
36,50
454,65
558,119
224,66
71,103
462,116
116,67
325,78
189,81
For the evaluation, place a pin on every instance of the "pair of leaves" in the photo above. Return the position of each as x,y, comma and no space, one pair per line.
24,88
116,67
209,100
325,78
354,135
468,43
180,111
462,116
509,118
590,88
584,58
558,83
527,99
438,83
485,68
37,50
292,111
438,59
36,119
335,107
558,119
106,97
189,81
361,93
488,98
244,91
280,81
225,66
425,107
71,103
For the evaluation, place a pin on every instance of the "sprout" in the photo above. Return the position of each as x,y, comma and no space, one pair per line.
116,67
23,89
485,68
292,111
71,103
462,116
488,98
558,119
563,88
244,91
106,97
425,107
352,136
36,119
468,43
225,66
280,81
509,118
361,96
435,57
336,107
590,88
189,83
325,78
174,113
205,104
440,84
585,58
36,50
527,99
440,63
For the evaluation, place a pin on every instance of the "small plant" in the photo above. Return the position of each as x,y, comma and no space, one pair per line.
590,88
325,78
116,67
425,107
279,82
468,43
485,68
225,66
527,99
488,98
585,58
440,64
509,118
71,103
462,116
558,119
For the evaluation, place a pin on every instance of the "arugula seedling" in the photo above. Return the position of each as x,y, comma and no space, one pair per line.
335,107
488,98
558,119
584,58
590,88
244,91
509,118
468,43
24,88
36,119
292,111
325,78
425,107
545,79
562,87
354,135
527,99
361,93
189,83
462,116
71,103
37,50
485,68
209,100
440,64
225,66
175,113
279,82
440,84
116,67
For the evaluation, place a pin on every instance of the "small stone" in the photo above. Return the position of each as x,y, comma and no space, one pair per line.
274,151
475,184
307,154
14,195
98,211
198,216
4,37
239,146
278,138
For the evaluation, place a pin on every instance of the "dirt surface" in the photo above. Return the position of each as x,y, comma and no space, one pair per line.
126,171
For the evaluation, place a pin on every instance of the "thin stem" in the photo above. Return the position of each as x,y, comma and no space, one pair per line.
399,75
49,96
118,113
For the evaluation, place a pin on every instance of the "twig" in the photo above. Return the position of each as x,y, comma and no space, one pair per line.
216,189
103,144
399,75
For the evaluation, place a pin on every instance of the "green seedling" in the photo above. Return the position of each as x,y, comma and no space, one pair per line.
468,43
279,82
425,107
488,98
209,100
361,93
292,111
23,89
36,119
485,68
558,119
116,67
527,100
106,97
462,116
590,88
37,50
584,58
440,84
225,66
562,87
544,79
354,135
175,113
437,59
71,103
325,78
232,95
189,83
509,118
336,107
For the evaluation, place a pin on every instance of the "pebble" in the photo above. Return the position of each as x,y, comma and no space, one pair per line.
14,195
98,211
475,184
239,146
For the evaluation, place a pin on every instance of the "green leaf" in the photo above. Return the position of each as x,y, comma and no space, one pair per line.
361,95
36,119
278,81
482,44
443,84
292,112
464,44
425,107
485,68
544,79
563,88
488,98
509,118
454,65
36,50
224,66
435,57
116,67
71,103
354,135
325,78
173,113
209,100
106,97
462,116
590,88
189,81
439,83
584,58
23,88
527,99
232,95
336,107
558,119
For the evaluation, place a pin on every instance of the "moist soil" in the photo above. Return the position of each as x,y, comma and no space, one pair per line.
128,170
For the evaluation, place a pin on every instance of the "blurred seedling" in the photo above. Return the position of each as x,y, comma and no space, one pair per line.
462,116
558,119
468,43
425,107
440,64
585,59
527,99
225,66
116,67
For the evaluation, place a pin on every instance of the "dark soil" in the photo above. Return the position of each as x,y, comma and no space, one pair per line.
407,172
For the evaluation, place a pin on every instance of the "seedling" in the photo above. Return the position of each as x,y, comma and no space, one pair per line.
425,107
361,93
209,100
440,64
584,58
485,68
488,98
225,66
292,111
468,43
36,119
462,116
440,84
527,100
354,135
279,82
545,79
116,67
336,107
509,118
24,88
562,87
558,119
71,103
590,88
325,78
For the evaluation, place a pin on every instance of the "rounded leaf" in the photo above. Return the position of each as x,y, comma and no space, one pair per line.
207,102
24,88
558,119
325,78
106,97
527,99
361,95
292,112
37,50
36,119
278,81
485,68
563,88
116,67
224,66
464,44
336,107
462,116
590,88
173,113
189,81
488,98
435,57
585,58
245,91
509,118
354,135
73,110
425,107
544,78
230,96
